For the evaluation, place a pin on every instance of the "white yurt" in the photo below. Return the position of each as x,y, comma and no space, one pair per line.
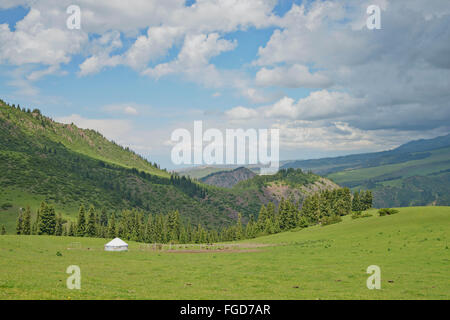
116,245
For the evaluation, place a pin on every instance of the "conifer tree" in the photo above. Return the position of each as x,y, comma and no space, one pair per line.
239,228
252,228
173,225
26,229
283,212
112,226
35,228
356,204
366,200
271,212
59,225
347,195
263,215
71,232
3,230
81,223
19,223
90,227
104,218
47,221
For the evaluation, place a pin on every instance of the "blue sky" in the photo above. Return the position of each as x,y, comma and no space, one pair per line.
311,69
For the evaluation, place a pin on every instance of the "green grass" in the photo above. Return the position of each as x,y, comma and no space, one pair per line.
437,161
330,262
410,183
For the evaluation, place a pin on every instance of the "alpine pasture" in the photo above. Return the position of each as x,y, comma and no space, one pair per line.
320,262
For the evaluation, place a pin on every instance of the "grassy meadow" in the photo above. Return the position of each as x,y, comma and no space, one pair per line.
330,262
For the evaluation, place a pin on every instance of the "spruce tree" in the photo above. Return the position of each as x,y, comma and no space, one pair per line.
239,228
271,211
356,203
19,223
81,223
366,200
347,196
47,221
252,228
35,228
104,218
59,226
112,227
262,217
90,227
26,229
71,232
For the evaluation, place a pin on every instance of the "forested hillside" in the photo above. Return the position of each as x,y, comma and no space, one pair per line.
42,160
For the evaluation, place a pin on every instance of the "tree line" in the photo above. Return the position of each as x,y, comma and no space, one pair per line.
323,208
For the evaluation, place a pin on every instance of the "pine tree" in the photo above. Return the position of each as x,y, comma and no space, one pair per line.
252,228
325,204
47,221
293,215
81,223
104,218
283,212
19,223
239,228
347,196
262,217
173,225
35,228
71,232
356,204
366,200
271,211
26,229
90,227
59,225
112,232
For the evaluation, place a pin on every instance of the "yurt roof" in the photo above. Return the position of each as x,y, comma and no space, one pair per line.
116,242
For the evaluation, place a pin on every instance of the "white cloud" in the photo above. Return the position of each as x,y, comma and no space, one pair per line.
317,105
127,109
114,129
241,113
396,77
34,42
193,59
295,76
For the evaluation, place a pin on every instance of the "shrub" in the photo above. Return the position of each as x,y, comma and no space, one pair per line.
330,220
358,214
387,211
6,205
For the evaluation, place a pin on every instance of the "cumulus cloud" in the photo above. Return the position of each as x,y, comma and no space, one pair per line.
34,42
114,129
396,77
193,59
126,109
241,113
295,76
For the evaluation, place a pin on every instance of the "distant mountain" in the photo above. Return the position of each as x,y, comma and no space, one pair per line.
228,179
416,173
405,152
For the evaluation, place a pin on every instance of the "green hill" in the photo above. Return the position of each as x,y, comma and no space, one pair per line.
411,248
67,166
414,174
